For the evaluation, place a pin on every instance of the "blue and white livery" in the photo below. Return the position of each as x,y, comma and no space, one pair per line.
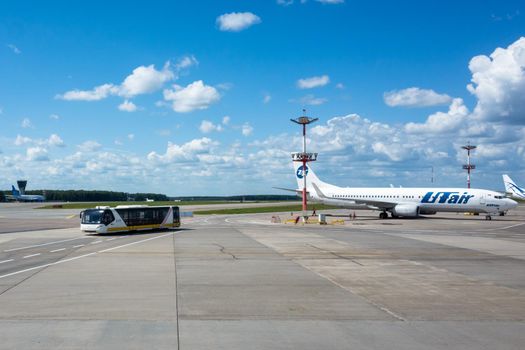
406,202
16,196
511,188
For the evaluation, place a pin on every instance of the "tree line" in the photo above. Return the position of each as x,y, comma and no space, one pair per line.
111,196
91,196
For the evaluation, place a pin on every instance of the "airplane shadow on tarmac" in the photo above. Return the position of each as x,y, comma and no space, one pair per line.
390,220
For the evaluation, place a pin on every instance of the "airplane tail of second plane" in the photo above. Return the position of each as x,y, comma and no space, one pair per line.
15,192
512,188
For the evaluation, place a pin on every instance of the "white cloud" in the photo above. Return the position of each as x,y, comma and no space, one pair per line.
54,117
186,62
224,86
142,80
131,137
195,96
331,2
145,80
53,140
267,98
22,140
185,151
26,123
311,100
98,93
394,152
415,97
37,154
312,82
127,106
498,82
207,127
328,2
507,16
89,146
491,151
237,21
340,86
247,129
442,122
15,49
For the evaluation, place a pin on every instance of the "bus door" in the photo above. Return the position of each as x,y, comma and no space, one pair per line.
176,215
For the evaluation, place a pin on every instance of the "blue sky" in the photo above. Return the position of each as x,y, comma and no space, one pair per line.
194,97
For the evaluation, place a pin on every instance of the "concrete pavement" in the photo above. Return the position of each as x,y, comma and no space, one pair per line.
237,282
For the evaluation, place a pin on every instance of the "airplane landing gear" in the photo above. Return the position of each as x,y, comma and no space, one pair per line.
488,217
383,215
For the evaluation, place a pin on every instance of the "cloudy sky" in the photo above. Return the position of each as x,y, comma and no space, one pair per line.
194,97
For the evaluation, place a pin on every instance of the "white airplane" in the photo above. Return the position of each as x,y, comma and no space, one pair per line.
406,202
24,197
150,200
514,190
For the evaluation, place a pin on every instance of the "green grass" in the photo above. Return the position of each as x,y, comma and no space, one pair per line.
87,205
296,209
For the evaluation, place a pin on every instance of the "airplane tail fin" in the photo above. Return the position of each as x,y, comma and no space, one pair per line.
15,191
512,188
311,178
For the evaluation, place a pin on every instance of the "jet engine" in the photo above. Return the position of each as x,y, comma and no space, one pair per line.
406,209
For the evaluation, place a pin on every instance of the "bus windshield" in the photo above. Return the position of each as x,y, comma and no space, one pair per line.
93,216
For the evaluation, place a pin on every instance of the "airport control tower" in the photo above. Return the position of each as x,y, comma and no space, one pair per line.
22,186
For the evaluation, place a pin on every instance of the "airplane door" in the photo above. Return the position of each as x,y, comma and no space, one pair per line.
482,199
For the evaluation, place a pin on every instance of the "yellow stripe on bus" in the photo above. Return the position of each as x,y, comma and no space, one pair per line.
141,227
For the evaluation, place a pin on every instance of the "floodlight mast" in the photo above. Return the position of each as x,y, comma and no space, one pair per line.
469,166
304,156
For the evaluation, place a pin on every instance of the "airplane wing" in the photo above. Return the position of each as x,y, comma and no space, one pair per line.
369,202
290,190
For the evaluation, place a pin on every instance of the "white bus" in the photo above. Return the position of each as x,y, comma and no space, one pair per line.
124,218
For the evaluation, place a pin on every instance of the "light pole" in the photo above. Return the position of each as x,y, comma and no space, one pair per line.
469,166
304,157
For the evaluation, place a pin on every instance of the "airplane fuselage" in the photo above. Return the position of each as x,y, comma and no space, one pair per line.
427,200
402,201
